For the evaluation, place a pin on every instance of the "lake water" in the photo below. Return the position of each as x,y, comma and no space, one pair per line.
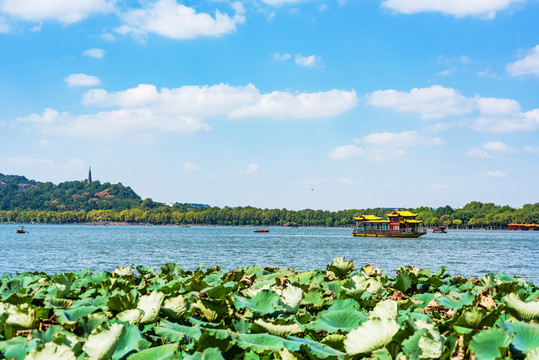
61,248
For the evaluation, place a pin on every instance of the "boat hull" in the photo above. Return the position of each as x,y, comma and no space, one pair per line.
412,235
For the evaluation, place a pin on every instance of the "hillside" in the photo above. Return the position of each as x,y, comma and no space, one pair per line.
20,193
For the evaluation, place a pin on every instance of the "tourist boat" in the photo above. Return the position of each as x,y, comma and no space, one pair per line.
400,224
439,229
261,230
21,230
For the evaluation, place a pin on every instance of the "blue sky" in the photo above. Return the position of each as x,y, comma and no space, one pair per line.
322,104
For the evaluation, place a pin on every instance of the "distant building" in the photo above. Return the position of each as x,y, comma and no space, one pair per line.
89,174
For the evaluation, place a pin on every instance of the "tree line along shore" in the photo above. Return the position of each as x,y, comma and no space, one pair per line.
472,215
28,201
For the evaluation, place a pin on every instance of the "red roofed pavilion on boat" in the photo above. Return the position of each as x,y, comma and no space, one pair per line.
397,224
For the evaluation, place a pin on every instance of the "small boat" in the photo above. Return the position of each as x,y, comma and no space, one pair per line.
439,229
399,224
21,230
261,230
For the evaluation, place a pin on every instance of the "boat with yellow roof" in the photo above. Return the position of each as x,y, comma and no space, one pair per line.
401,224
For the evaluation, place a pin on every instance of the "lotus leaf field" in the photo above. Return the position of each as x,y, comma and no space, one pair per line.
267,313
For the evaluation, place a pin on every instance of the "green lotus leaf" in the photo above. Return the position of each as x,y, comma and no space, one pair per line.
525,336
49,351
65,316
371,335
169,269
430,342
132,316
15,348
279,330
526,311
163,352
150,304
490,344
403,282
122,301
21,317
472,318
264,342
103,341
411,347
381,354
174,308
315,297
385,310
130,342
335,341
533,354
363,283
211,353
220,291
449,303
212,310
341,316
340,267
264,302
173,332
63,283
320,351
291,297
122,271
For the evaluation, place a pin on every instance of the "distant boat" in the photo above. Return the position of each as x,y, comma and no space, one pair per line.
21,230
439,229
261,230
401,224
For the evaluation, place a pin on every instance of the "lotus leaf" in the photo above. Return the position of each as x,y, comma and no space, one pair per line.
164,352
525,311
335,341
174,308
212,310
533,355
449,303
208,354
150,304
121,301
525,336
341,316
173,332
371,335
21,317
49,351
341,268
385,310
15,348
74,314
291,297
264,302
122,271
490,344
264,343
130,342
317,349
102,342
279,330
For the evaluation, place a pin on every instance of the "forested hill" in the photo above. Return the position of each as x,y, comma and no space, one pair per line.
20,193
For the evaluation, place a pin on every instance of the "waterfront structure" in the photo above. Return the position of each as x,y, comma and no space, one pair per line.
523,227
397,224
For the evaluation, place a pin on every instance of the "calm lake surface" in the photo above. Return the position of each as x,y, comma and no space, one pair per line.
61,248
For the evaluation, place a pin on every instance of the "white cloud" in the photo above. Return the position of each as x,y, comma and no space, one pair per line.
346,152
431,103
170,19
45,144
478,153
251,168
496,146
281,57
190,167
494,174
146,109
405,138
492,114
282,105
94,53
281,2
459,8
64,11
443,187
307,61
528,65
82,80
532,149
4,27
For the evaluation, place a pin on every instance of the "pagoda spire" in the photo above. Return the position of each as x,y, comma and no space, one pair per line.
89,175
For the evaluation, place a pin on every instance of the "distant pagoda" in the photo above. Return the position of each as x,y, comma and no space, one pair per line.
89,175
